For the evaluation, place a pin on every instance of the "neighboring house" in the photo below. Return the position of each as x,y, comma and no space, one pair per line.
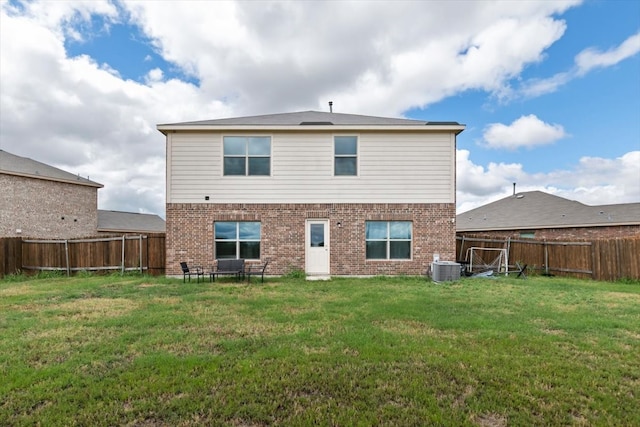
41,201
38,200
327,193
535,214
116,222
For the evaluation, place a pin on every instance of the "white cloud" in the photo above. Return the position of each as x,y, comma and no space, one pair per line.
526,131
538,87
586,61
348,52
155,75
592,58
595,179
476,180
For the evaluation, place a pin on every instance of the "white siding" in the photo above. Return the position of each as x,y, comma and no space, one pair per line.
393,167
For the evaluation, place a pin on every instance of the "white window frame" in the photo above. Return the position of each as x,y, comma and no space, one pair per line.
247,156
388,241
357,155
237,239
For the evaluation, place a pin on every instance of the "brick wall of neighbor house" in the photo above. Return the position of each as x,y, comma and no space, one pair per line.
38,206
570,234
190,234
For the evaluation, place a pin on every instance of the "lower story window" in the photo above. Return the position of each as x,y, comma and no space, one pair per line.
235,240
388,239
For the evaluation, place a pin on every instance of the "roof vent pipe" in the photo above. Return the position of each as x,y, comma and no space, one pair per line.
514,188
331,106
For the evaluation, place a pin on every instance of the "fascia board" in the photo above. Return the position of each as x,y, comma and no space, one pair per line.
48,178
545,227
304,128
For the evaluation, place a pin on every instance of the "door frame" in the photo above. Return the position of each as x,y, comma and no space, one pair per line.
307,245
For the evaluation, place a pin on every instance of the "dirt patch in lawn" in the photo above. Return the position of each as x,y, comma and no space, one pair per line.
93,308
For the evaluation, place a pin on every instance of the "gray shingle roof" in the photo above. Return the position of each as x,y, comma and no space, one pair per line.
311,118
116,221
23,166
536,209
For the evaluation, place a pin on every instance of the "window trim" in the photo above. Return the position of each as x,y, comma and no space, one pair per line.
356,156
388,241
246,156
237,239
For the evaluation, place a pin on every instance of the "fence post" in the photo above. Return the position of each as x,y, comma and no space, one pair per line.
66,253
140,249
593,259
123,254
508,249
546,257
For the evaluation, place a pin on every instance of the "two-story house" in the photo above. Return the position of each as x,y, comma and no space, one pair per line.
323,192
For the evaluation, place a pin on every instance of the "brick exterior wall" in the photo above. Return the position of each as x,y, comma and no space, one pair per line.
46,209
190,235
570,234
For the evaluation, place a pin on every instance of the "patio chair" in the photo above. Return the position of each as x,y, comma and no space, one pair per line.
521,270
256,270
196,271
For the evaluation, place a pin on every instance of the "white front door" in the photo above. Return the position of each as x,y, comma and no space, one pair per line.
317,247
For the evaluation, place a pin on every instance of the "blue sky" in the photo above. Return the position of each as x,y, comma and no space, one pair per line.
600,111
125,48
549,91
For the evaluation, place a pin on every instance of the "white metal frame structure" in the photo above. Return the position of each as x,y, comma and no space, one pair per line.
499,264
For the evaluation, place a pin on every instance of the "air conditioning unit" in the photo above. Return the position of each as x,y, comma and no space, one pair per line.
445,271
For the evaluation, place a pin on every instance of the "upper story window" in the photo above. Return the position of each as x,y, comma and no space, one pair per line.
235,240
388,239
345,149
247,155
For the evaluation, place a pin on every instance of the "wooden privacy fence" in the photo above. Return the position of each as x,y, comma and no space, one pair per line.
611,259
143,253
10,255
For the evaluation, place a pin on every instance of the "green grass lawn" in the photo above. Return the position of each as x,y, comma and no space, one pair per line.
382,351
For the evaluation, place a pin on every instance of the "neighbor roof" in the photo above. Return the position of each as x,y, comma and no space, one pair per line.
23,166
129,222
310,118
536,209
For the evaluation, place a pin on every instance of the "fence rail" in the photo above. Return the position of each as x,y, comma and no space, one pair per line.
611,259
143,253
